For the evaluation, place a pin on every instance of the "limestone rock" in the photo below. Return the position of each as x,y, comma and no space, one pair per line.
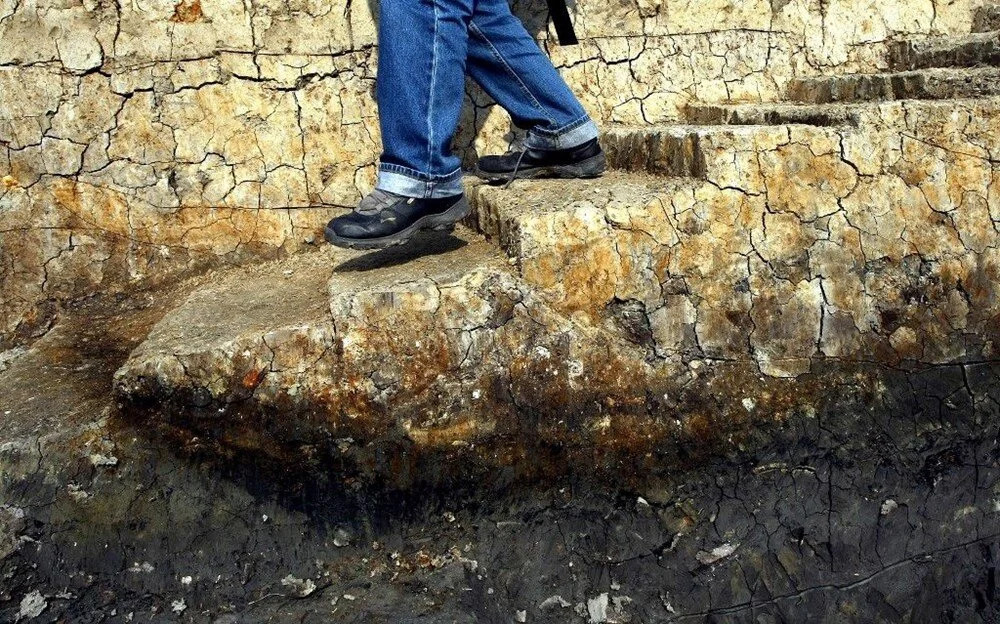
743,247
160,140
440,353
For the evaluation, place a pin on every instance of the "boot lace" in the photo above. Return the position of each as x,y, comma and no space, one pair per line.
521,149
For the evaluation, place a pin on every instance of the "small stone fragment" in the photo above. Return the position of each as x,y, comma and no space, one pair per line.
11,523
597,609
8,357
178,606
552,602
300,587
32,605
717,553
888,507
341,538
77,493
98,459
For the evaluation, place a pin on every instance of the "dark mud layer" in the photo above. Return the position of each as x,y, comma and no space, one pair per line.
879,505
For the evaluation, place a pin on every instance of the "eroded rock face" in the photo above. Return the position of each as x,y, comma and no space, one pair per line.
860,504
774,341
140,144
801,242
617,319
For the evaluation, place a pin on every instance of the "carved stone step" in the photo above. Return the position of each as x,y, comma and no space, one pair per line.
927,84
395,362
773,114
841,116
812,219
625,314
968,51
703,152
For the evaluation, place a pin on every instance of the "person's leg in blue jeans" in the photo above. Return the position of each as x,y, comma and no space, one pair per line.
508,64
425,49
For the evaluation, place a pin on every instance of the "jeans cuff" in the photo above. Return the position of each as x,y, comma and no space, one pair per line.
412,183
570,135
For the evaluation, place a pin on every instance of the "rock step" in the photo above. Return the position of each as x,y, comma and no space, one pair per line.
631,311
694,151
969,51
932,84
434,350
843,117
679,267
773,114
776,253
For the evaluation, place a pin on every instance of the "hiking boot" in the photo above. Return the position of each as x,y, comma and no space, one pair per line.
383,219
583,161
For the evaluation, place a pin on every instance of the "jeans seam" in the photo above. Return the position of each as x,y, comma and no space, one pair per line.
430,95
510,70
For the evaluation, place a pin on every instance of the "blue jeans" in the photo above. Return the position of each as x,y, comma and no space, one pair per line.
425,49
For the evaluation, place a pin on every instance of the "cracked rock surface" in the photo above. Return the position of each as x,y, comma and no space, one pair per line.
750,375
139,144
614,309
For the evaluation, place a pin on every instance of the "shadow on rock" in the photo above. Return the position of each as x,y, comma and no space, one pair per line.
424,244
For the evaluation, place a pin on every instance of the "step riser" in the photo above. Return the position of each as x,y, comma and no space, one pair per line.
747,281
770,115
701,153
538,418
666,153
920,86
729,157
909,55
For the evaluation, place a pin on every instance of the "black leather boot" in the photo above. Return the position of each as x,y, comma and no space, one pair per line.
583,161
383,219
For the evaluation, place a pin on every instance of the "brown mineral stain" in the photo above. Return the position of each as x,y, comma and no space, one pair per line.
448,435
252,379
67,196
187,12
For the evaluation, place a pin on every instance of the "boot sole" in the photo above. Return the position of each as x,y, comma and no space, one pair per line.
592,167
444,222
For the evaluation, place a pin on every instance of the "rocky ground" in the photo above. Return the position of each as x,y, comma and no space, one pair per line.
866,507
748,376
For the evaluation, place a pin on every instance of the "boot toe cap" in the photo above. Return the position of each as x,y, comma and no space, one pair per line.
348,226
492,164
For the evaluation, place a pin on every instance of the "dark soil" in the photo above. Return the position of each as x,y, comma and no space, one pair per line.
861,510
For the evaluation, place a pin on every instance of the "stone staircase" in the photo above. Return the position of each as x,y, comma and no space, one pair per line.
733,271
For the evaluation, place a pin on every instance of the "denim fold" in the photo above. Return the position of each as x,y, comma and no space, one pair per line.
426,49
